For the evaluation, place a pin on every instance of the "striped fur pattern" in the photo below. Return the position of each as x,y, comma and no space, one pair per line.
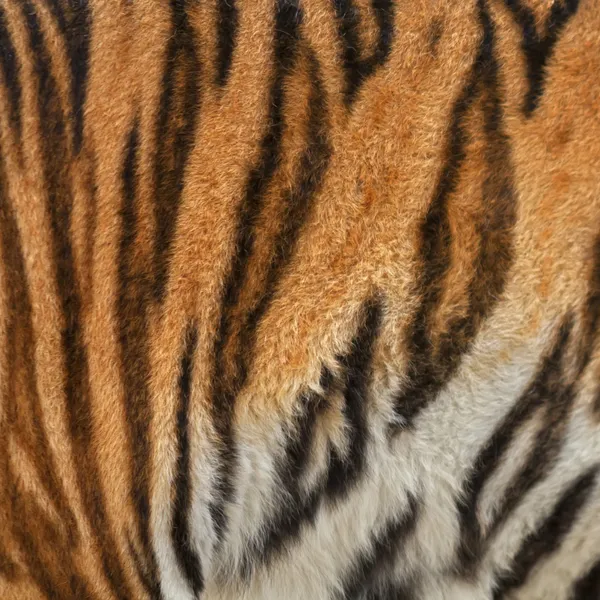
299,299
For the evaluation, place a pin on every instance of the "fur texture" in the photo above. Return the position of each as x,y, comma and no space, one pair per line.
299,299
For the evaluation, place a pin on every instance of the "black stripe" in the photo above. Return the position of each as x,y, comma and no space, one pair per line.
175,128
550,535
298,201
226,384
74,21
378,560
10,72
587,587
298,508
357,68
348,25
546,385
131,305
226,37
295,509
187,557
76,381
551,391
344,470
384,14
538,50
432,367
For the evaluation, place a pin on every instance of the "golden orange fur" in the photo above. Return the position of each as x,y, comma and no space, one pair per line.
299,299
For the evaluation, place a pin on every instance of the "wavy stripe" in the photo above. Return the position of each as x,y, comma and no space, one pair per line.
227,382
187,557
538,50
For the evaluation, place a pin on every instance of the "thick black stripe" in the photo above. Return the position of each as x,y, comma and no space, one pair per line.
74,21
431,370
10,72
378,560
187,557
76,382
538,50
132,304
588,586
226,35
226,384
546,385
175,128
550,535
344,470
356,67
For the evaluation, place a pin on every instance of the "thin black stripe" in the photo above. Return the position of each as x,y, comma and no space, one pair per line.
296,508
226,384
587,587
226,37
538,50
175,127
74,21
545,385
378,559
187,557
131,305
76,381
298,201
431,368
344,470
548,538
10,71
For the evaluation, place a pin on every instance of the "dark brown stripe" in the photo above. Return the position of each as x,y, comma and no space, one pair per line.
431,369
132,302
548,538
227,27
587,587
538,50
545,387
175,128
226,384
187,556
76,377
377,561
74,21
